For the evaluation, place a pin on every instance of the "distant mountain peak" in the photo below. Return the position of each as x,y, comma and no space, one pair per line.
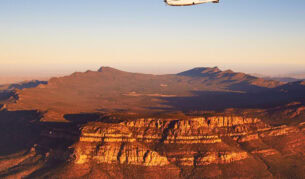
199,71
211,70
229,71
215,73
108,69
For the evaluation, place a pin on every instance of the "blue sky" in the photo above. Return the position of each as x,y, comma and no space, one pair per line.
40,36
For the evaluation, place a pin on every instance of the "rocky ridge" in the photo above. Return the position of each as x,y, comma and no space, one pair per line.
140,142
185,147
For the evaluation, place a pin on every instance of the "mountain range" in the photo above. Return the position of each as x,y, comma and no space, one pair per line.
200,123
109,89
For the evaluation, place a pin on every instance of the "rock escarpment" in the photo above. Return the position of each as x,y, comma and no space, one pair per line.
194,142
217,145
113,144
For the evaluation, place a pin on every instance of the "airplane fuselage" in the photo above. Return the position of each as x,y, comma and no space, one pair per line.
188,2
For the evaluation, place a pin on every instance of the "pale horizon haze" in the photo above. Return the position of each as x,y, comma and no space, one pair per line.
40,39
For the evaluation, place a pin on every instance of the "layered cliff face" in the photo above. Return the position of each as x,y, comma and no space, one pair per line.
219,145
189,144
114,144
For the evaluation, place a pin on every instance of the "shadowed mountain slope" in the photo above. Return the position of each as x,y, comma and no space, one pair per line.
228,76
21,85
6,91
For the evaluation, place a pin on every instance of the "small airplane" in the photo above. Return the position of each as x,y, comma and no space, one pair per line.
188,2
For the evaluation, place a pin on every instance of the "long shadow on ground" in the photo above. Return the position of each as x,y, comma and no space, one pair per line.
211,100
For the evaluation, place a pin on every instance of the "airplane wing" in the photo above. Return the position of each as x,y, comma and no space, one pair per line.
188,2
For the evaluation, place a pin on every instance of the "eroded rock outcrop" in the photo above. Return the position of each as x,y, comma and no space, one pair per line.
114,144
138,142
210,158
119,153
185,146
